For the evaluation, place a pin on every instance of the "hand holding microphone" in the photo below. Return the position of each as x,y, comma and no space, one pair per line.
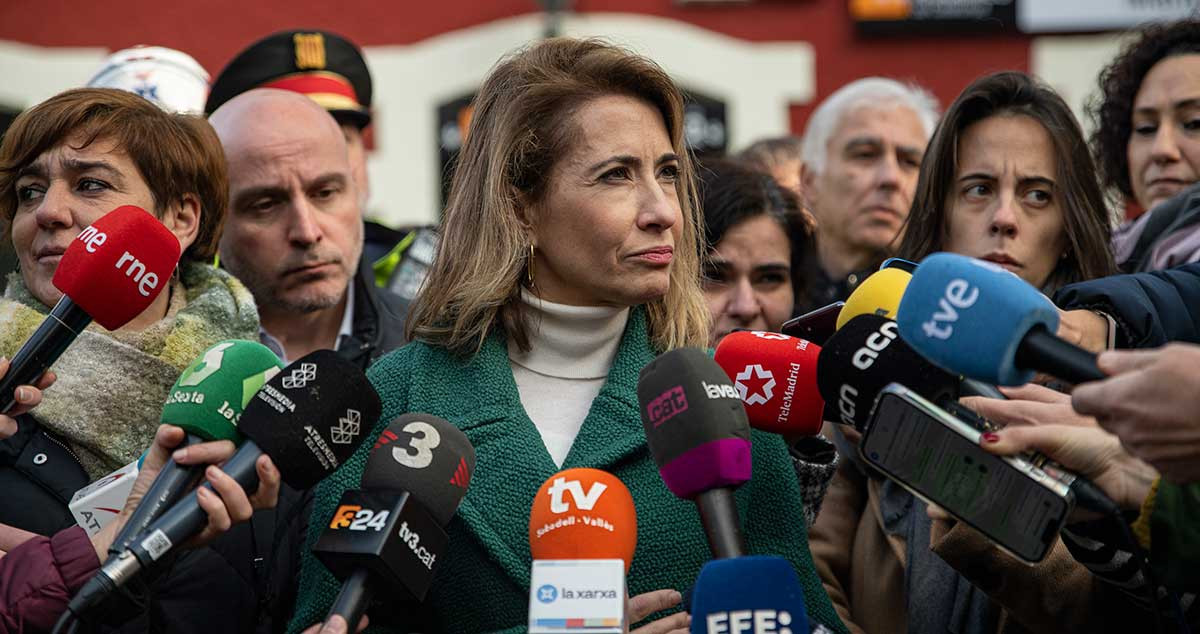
308,418
25,397
1090,452
227,504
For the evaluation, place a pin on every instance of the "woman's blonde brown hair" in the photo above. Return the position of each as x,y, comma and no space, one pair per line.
176,154
523,121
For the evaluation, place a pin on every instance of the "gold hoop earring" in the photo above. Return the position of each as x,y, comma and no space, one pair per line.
529,267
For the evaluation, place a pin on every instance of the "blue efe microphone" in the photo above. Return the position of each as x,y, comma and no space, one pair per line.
977,319
748,595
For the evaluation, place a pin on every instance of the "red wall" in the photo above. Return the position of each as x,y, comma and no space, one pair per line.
214,30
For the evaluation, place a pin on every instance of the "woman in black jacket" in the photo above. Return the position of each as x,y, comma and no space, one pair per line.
64,164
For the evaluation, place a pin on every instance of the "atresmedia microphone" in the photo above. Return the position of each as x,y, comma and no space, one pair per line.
697,431
978,319
582,534
748,595
308,418
776,377
110,273
387,536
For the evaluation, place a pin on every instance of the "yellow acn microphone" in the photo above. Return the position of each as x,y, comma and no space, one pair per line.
879,294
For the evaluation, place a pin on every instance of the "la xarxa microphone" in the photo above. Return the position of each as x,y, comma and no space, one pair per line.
863,357
697,431
111,272
582,534
978,319
388,535
308,418
207,402
776,378
748,595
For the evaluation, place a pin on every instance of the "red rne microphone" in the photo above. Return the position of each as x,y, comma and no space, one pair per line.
776,378
110,273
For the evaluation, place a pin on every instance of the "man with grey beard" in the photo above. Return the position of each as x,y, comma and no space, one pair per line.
294,235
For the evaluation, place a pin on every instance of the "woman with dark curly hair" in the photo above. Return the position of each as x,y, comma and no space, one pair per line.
1147,144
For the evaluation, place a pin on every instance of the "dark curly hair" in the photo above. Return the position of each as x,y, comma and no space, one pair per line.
1119,85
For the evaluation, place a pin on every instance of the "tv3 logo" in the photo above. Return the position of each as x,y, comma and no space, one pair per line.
421,442
356,518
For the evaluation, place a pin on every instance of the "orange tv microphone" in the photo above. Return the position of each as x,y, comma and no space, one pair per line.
582,534
583,514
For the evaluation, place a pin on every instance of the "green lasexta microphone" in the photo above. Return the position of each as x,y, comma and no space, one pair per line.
206,401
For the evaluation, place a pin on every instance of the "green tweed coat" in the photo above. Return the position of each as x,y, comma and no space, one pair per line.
482,582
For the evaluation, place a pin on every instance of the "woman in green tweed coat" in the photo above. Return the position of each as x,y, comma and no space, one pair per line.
569,259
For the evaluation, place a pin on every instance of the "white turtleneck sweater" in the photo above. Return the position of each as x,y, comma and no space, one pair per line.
571,351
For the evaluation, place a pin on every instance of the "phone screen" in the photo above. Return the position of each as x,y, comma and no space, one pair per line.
816,326
922,452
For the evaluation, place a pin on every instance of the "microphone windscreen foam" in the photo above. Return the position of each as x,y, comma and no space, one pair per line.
116,266
583,514
695,423
862,358
311,416
428,457
208,398
776,377
748,594
879,294
969,316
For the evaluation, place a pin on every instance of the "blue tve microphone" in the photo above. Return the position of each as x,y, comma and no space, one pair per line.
748,595
974,318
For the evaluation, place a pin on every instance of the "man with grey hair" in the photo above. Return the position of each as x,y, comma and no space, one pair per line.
294,235
862,152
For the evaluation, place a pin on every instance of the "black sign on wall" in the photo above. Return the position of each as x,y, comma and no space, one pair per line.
705,129
892,17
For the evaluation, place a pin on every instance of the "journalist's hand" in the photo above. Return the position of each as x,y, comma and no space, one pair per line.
647,603
229,504
335,625
1088,451
1152,403
1084,328
1029,404
28,397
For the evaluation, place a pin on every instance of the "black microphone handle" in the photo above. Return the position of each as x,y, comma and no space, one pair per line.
1041,350
43,348
974,387
186,519
352,601
171,484
718,514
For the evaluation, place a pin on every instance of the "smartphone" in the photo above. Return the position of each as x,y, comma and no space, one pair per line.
899,263
816,326
937,457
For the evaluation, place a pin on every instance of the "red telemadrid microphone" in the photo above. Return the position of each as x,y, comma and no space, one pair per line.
111,272
776,378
